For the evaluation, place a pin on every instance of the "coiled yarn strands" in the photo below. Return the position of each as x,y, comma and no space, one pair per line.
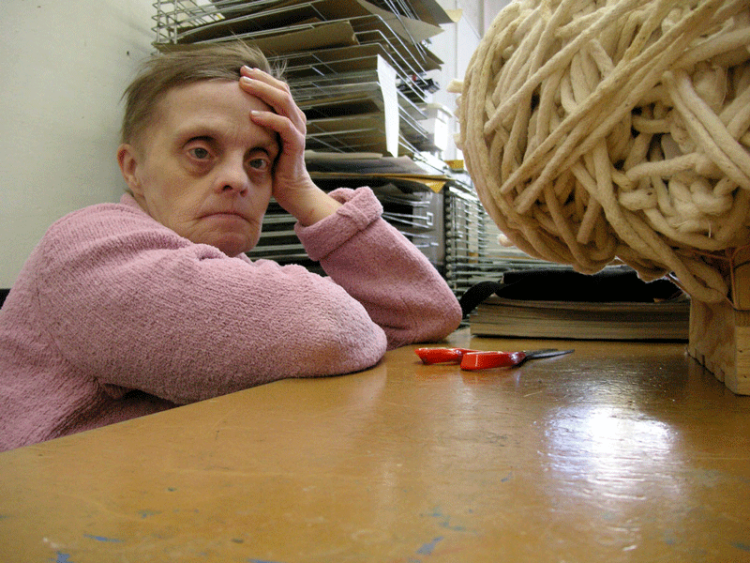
596,130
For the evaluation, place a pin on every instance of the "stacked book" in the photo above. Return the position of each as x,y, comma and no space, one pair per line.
612,305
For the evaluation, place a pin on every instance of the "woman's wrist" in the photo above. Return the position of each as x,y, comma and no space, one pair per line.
310,206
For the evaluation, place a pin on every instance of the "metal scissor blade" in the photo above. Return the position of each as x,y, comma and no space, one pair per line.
546,353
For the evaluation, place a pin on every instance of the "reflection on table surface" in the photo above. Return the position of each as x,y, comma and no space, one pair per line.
617,452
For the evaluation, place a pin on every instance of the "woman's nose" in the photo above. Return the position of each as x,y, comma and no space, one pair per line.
232,177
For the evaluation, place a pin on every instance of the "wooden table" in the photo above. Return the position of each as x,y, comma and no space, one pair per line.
618,452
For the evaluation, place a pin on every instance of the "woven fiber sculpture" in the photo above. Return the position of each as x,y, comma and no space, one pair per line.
596,130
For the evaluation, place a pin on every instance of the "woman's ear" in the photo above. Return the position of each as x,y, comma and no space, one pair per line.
127,158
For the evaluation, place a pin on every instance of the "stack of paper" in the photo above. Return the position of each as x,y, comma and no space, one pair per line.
357,68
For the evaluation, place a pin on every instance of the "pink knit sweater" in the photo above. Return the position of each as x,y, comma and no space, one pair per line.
115,316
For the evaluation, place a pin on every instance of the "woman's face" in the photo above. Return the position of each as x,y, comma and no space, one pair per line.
202,167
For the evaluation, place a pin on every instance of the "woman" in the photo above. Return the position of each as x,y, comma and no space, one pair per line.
127,309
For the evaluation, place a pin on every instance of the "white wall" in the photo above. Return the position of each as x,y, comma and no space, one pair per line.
456,45
65,65
491,10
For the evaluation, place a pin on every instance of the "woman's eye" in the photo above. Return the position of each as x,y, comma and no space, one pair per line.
199,152
258,164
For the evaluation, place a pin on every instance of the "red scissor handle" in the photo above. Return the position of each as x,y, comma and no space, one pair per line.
442,355
486,360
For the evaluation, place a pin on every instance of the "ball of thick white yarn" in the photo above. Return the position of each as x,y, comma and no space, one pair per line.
596,130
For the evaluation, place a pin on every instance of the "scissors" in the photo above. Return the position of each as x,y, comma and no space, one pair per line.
478,359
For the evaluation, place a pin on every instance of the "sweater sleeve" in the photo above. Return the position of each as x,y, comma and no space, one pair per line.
134,305
401,290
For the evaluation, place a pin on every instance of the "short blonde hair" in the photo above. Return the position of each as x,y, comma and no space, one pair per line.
180,67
